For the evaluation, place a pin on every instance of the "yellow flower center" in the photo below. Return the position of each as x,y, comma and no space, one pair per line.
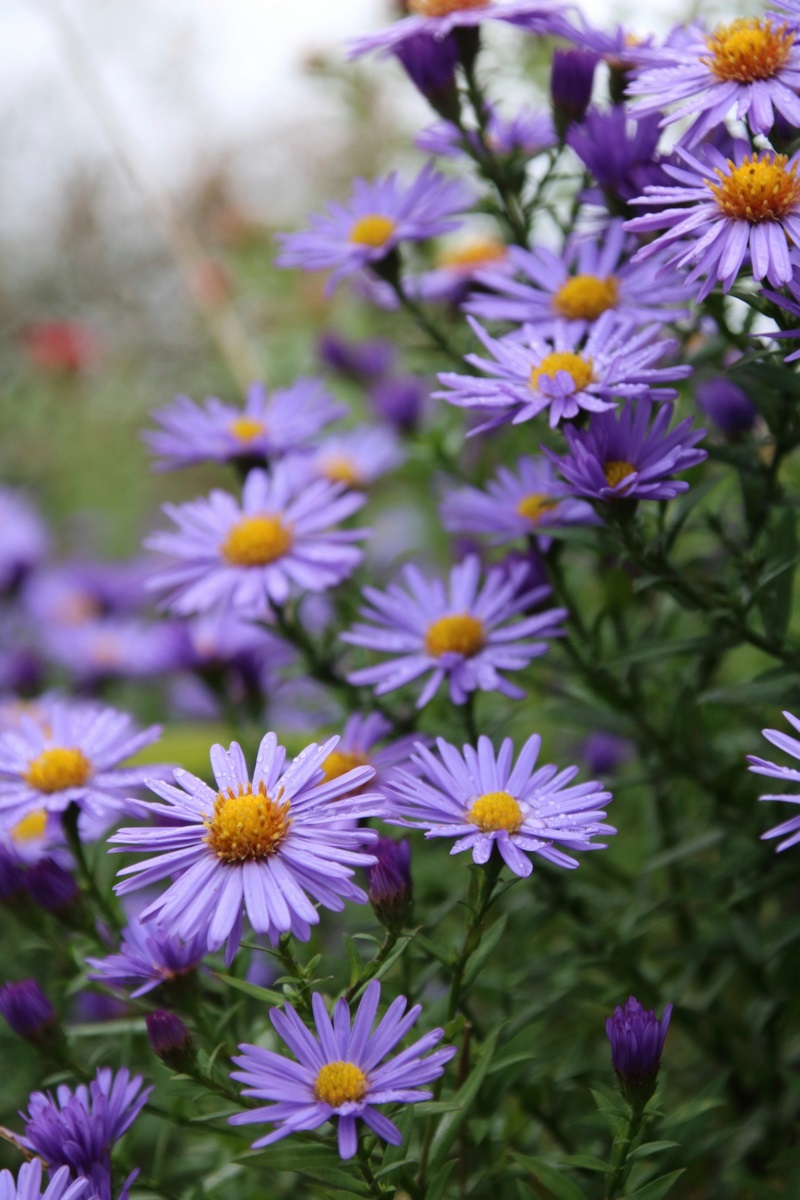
496,810
585,297
748,49
473,254
341,468
247,825
256,541
373,230
534,506
58,768
761,189
340,1083
564,360
31,827
459,634
246,429
616,470
341,761
443,8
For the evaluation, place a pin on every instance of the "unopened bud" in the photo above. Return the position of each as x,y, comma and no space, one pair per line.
637,1042
28,1011
170,1040
390,889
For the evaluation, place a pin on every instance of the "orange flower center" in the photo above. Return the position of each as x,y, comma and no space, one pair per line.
564,360
475,253
31,827
761,189
616,470
443,8
247,825
459,634
748,49
534,506
256,541
372,230
58,768
340,1083
246,429
585,297
341,761
341,468
496,810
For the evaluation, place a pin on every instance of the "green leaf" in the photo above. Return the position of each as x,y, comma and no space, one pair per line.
648,1148
439,1180
553,1178
476,961
774,594
451,1122
657,1187
586,1162
251,989
353,960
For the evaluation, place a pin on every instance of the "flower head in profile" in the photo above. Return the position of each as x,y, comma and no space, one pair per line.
357,457
340,1074
438,19
378,217
28,1184
483,799
637,1039
789,830
269,425
359,747
147,957
463,632
269,844
248,555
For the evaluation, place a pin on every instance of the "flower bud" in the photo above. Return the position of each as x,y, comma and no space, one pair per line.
637,1042
28,1012
390,888
51,887
430,64
571,83
170,1040
399,402
726,404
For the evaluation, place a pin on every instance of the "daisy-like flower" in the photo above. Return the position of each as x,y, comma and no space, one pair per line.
267,843
561,373
788,830
438,18
340,1073
750,66
378,217
73,758
267,427
593,276
358,456
520,505
463,632
357,748
625,456
457,266
251,555
77,1129
620,152
747,206
28,1184
148,956
483,800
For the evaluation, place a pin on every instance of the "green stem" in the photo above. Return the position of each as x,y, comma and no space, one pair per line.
619,1164
366,1170
421,318
292,968
472,939
87,879
373,966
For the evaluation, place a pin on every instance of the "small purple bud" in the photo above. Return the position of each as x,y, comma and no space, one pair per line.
12,879
726,404
603,753
28,1011
637,1043
399,402
170,1040
571,83
430,64
363,361
51,887
391,892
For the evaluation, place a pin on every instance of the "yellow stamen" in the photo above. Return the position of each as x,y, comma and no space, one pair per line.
616,470
564,360
372,230
474,253
31,827
534,506
340,1083
586,297
748,49
256,541
761,189
459,634
246,429
247,825
341,761
443,8
496,810
58,768
341,468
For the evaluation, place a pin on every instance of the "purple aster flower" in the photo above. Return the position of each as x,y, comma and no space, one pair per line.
788,830
28,1185
619,151
54,889
438,18
527,133
482,800
74,760
249,556
24,540
462,632
520,505
751,208
170,1039
399,401
457,266
83,589
637,1039
77,1129
363,361
728,406
379,216
358,456
391,892
604,753
268,426
148,956
750,65
790,306
116,648
560,372
340,1073
27,1010
357,748
266,844
625,456
594,275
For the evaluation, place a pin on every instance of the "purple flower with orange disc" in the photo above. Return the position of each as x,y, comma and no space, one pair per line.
265,844
339,1074
463,632
147,957
358,748
788,830
252,554
378,217
24,540
438,18
483,799
358,456
269,425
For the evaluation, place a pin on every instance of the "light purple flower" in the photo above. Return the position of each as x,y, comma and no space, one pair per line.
560,372
378,217
624,455
463,632
28,1184
527,133
24,540
438,18
358,456
248,556
266,844
620,153
116,648
457,265
788,830
148,956
339,1073
483,801
356,748
69,593
742,209
268,426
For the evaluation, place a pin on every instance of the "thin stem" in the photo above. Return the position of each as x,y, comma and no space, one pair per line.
421,318
88,882
293,968
366,1170
373,966
619,1163
472,938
